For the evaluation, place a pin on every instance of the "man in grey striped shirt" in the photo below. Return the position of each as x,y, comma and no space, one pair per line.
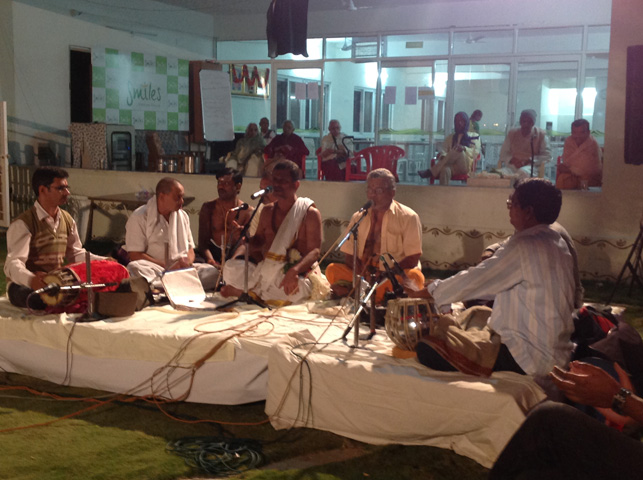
531,280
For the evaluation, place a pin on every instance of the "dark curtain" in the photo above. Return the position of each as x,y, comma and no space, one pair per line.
287,27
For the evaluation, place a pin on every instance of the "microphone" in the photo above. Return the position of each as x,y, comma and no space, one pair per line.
261,192
243,206
49,288
366,206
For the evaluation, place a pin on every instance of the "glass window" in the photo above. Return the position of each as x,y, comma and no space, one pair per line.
550,89
598,38
484,88
339,47
595,94
412,111
548,40
416,45
313,48
236,50
482,42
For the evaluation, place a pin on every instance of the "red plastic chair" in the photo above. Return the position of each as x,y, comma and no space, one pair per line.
381,156
459,178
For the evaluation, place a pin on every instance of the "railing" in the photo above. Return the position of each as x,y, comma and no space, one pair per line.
21,195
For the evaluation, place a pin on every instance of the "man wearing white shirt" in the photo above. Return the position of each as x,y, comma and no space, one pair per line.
531,280
158,237
42,239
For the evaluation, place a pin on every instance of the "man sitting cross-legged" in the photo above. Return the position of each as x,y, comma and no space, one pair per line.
531,278
389,227
158,237
285,246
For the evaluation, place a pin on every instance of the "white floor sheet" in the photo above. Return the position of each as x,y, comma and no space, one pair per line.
370,396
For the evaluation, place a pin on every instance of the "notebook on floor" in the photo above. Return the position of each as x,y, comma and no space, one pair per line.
185,292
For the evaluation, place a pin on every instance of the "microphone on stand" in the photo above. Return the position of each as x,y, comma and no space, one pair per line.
366,206
243,206
261,192
49,288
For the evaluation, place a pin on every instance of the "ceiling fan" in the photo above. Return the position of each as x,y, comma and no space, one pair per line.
350,5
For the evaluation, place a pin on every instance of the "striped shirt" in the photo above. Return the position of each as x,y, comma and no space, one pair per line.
531,277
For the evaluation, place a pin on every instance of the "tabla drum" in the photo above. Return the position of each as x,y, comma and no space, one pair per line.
407,320
103,271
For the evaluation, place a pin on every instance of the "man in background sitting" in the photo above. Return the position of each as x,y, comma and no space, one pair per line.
582,165
334,153
287,146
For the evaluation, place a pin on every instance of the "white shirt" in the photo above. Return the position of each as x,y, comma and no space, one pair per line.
153,244
19,239
532,279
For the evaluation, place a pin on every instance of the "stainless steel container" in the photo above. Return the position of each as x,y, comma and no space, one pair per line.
171,165
188,164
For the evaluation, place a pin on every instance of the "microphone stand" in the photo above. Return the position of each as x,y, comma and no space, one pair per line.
531,172
245,297
356,281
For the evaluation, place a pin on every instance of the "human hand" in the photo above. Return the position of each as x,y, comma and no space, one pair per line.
290,282
182,262
588,384
38,280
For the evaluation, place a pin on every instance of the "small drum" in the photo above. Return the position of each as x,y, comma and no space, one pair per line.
407,320
103,271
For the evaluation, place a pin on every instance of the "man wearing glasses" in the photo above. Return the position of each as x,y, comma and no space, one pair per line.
388,228
530,278
42,239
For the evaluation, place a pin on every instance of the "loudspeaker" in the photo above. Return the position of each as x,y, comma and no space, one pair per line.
634,106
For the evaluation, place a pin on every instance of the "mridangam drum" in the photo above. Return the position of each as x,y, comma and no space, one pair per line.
407,320
103,271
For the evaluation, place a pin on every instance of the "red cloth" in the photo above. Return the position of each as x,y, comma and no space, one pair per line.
292,147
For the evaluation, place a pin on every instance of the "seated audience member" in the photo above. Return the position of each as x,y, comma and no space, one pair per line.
213,214
287,146
582,165
42,239
285,246
531,280
389,227
334,153
266,133
158,237
557,441
474,119
459,150
247,156
521,145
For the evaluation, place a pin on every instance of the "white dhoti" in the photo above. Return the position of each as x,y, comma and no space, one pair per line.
265,278
208,274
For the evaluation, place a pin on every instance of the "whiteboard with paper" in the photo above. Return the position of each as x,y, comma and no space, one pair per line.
216,104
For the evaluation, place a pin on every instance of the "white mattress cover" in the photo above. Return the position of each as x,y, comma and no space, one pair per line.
368,395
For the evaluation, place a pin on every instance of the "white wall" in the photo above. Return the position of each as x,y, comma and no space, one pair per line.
38,107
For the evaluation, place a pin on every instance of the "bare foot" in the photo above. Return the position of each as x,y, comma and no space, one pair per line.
230,291
339,291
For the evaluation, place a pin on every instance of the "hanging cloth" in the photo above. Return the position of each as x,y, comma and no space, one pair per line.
287,27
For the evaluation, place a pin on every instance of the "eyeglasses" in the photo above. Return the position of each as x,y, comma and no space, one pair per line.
61,188
376,191
226,183
511,204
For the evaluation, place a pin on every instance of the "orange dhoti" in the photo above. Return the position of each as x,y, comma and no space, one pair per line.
343,274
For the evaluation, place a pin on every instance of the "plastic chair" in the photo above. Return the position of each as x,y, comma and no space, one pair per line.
381,156
459,178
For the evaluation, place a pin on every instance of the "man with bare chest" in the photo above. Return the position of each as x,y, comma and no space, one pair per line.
388,228
219,228
285,246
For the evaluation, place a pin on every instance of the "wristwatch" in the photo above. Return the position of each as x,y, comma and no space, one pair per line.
618,402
